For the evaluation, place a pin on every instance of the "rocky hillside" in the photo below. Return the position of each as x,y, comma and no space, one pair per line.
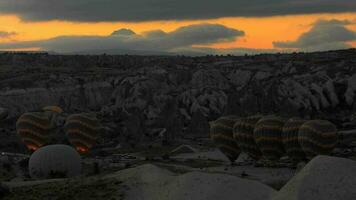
180,93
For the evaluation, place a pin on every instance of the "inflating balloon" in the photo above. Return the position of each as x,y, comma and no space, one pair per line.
82,131
55,161
317,137
221,132
290,139
34,129
268,136
244,136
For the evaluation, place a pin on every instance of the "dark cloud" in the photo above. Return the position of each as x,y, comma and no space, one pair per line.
4,34
123,32
225,51
139,10
125,39
324,35
195,35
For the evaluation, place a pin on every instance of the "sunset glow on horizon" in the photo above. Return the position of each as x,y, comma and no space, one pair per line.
260,32
177,26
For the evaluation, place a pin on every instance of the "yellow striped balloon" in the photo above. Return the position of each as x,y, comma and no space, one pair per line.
244,136
290,139
268,136
34,129
82,131
221,132
54,109
317,137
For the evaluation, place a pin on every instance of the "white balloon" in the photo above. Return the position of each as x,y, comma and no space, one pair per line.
57,158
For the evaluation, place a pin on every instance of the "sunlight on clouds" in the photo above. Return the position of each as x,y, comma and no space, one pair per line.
260,32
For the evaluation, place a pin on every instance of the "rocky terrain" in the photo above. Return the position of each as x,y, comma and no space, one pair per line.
150,105
140,94
327,178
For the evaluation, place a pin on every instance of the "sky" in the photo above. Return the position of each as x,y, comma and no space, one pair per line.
177,27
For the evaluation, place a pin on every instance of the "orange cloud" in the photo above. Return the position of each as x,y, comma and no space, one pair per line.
260,32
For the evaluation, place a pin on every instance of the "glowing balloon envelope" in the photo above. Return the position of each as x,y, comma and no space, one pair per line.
34,129
82,131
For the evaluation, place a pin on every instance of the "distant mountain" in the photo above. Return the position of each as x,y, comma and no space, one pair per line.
121,52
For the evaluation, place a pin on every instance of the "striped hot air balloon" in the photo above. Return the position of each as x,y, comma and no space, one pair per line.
290,139
221,132
317,137
34,129
82,131
268,136
244,136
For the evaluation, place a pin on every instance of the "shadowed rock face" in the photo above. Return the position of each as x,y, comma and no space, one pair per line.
88,96
315,85
4,113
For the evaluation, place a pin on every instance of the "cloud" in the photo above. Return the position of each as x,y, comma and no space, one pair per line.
123,32
198,51
125,39
138,10
4,34
324,35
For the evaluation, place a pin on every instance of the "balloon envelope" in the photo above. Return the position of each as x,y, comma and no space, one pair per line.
54,159
268,136
317,137
82,131
34,129
290,139
244,136
221,132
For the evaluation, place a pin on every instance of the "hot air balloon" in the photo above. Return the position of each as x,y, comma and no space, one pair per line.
268,136
290,139
55,160
34,128
82,131
317,137
243,135
221,132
